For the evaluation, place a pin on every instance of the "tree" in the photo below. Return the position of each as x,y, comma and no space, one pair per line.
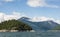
14,25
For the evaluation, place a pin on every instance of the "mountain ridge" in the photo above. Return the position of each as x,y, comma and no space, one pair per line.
42,25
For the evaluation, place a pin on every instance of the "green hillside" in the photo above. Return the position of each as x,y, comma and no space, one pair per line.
14,25
56,28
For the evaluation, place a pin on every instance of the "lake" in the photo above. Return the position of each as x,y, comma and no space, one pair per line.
30,34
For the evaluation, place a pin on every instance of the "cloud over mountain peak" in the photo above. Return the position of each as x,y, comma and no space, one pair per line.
17,15
40,19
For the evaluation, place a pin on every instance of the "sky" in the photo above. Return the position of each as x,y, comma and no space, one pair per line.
30,8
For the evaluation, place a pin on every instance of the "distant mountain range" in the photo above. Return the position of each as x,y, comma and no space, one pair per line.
42,25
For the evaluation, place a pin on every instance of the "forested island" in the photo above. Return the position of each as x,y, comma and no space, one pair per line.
14,25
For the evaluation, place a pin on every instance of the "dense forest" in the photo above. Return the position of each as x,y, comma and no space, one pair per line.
14,25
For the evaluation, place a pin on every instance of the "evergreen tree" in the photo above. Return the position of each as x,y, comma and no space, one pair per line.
14,25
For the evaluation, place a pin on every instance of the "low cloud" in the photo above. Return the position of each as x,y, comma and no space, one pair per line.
40,3
37,19
14,15
5,17
17,15
40,19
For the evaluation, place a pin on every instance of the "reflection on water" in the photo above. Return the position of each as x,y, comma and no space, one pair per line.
30,34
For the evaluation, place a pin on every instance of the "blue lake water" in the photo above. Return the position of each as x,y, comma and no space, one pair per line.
29,34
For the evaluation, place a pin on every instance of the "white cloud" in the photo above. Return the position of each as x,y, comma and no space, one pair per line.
35,3
37,19
40,19
40,3
2,16
5,17
17,15
14,15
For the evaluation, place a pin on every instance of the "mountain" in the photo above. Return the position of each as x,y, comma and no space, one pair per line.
42,25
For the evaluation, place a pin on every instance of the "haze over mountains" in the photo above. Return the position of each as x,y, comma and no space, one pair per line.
17,15
37,23
40,25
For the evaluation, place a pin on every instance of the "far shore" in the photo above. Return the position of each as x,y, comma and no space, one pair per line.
15,31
